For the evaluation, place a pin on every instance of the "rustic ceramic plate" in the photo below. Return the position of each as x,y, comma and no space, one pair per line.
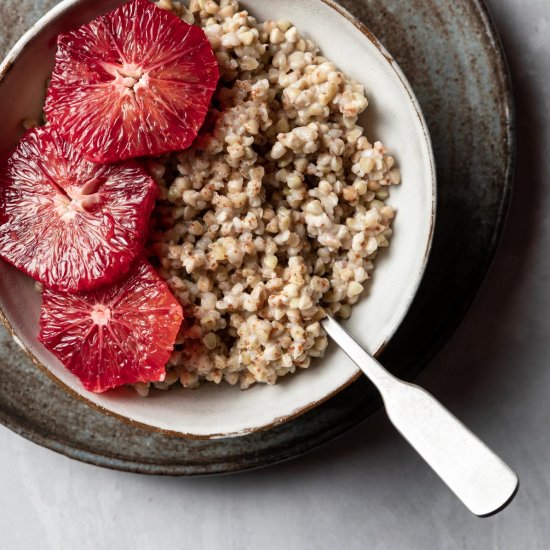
450,53
393,117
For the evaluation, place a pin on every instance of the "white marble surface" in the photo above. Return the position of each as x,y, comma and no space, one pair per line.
367,489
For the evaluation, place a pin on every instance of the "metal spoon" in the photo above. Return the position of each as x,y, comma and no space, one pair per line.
476,475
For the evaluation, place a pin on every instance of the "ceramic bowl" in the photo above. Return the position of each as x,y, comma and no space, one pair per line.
393,116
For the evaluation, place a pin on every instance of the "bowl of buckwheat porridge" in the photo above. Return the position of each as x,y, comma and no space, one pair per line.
310,189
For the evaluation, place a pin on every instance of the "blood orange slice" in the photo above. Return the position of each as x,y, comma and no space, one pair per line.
67,222
116,335
137,81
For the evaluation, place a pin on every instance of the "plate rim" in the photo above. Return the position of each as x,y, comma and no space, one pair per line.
67,448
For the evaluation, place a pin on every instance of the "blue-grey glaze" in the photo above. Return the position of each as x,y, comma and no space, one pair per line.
450,53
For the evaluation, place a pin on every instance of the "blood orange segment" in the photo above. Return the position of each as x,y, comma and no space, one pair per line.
67,222
117,335
137,81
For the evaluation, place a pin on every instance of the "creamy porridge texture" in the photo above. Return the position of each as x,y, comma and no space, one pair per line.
275,215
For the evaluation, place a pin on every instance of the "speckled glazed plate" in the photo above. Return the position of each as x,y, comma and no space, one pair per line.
449,52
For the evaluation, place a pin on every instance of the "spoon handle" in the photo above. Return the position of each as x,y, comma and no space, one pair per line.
477,476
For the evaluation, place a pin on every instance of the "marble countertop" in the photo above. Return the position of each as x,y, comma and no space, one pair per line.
367,489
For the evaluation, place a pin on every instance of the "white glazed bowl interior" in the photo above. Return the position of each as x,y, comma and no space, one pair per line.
393,117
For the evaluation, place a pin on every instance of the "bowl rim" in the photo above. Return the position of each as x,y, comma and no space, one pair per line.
59,9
